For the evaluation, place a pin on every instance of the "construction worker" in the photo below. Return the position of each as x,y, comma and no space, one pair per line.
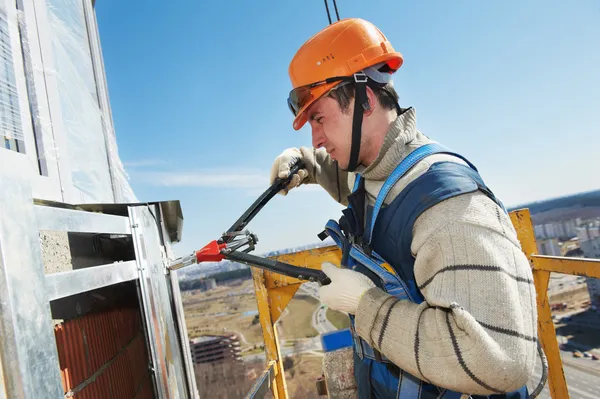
440,296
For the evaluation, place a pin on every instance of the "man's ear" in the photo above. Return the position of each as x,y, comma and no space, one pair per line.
372,101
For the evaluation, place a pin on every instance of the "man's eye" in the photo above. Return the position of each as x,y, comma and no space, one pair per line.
319,120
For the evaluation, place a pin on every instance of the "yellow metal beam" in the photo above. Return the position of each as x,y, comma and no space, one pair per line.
279,298
576,266
521,220
272,351
282,288
311,258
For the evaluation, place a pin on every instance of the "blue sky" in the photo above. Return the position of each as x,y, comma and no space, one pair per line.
198,93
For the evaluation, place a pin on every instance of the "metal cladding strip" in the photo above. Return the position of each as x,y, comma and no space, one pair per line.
50,218
64,284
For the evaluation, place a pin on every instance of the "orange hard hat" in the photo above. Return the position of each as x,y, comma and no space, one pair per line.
339,51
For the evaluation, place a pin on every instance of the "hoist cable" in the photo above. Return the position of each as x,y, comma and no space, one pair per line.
328,15
336,10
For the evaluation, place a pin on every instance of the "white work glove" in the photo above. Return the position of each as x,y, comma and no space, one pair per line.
281,168
345,290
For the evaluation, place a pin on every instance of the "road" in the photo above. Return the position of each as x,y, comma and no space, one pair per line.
320,321
319,317
582,384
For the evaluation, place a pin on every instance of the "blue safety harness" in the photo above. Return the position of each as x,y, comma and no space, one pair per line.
367,247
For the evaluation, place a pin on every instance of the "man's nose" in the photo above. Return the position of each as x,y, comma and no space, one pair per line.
317,136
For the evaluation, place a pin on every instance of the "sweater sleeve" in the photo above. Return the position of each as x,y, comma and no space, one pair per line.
325,172
476,331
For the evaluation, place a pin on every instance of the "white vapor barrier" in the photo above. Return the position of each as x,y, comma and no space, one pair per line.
90,141
81,113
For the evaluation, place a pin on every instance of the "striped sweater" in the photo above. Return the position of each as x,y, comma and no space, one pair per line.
476,330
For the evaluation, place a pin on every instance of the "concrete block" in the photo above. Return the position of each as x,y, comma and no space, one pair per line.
338,368
56,251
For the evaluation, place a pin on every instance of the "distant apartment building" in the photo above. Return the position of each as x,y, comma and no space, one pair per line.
563,229
589,243
215,349
549,246
591,248
593,285
588,231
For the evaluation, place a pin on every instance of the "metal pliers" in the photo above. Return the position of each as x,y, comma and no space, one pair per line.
229,245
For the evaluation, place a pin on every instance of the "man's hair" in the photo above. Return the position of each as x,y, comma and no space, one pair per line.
386,95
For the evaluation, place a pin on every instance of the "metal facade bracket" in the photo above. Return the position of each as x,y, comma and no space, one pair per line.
155,297
60,285
28,350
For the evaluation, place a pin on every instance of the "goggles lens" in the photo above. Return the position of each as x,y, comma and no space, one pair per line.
300,96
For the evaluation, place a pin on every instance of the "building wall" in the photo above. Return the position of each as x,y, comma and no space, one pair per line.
549,246
591,248
54,108
593,285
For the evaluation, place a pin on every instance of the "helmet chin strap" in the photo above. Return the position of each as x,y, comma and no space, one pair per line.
361,104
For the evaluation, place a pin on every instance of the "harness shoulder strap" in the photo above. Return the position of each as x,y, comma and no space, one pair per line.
407,163
442,181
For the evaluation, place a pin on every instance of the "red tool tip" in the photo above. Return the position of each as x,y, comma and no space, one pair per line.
211,252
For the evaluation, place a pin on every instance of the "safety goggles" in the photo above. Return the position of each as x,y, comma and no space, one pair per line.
302,95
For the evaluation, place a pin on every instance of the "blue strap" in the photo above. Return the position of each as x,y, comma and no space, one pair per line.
409,386
393,285
333,230
407,163
356,182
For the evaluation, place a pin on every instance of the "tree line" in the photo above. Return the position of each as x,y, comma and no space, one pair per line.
188,285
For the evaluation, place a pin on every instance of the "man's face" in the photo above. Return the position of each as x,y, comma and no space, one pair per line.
332,128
